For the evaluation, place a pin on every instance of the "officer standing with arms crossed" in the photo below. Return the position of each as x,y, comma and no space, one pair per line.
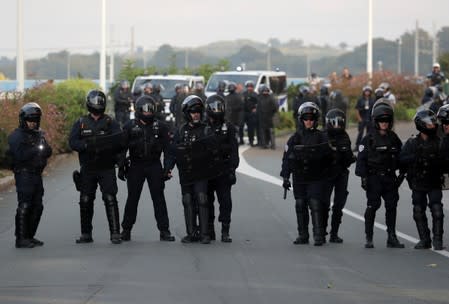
192,149
146,138
229,160
307,156
421,156
377,162
29,152
98,140
337,181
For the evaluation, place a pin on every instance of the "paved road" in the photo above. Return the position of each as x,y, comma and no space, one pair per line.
260,266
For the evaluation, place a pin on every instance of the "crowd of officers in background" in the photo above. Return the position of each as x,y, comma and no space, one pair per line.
203,144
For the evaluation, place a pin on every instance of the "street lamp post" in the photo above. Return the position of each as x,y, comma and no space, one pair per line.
269,57
20,66
369,47
103,47
399,41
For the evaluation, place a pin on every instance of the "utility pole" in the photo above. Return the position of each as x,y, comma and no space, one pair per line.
186,58
417,50
132,42
269,57
68,65
103,47
435,44
369,46
20,66
399,55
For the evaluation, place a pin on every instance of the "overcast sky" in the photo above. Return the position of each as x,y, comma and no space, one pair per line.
52,25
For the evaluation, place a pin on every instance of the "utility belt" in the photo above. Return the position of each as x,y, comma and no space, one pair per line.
381,172
27,170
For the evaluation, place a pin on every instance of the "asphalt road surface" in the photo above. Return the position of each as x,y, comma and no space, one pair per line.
260,266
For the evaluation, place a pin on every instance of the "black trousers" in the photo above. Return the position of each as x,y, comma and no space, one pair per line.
30,189
153,174
251,123
222,187
339,185
364,124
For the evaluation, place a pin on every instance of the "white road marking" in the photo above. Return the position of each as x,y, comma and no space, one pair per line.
248,170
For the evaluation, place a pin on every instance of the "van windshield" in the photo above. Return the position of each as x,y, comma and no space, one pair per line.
237,78
167,85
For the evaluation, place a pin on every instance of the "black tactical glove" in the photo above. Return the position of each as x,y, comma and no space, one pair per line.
286,184
166,175
400,179
364,183
122,173
232,178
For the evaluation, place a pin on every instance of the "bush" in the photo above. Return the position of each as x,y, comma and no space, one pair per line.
286,121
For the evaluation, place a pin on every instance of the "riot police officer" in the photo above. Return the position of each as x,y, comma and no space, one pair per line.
98,140
250,101
267,108
443,118
377,162
123,100
421,156
221,88
363,111
159,102
29,152
176,105
228,162
337,181
307,156
324,102
146,138
192,152
198,90
436,77
234,109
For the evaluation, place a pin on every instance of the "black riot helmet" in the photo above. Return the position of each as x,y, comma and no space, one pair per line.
264,89
249,83
232,87
443,114
368,88
335,121
382,112
145,108
309,110
157,88
221,86
124,84
215,107
192,104
304,90
424,118
430,92
324,91
96,102
30,112
379,93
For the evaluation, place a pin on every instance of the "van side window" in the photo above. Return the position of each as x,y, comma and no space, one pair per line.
263,80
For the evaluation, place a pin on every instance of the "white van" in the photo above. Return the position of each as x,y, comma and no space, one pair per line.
276,81
168,83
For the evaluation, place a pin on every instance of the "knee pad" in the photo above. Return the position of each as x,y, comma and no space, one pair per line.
374,205
85,200
315,205
300,205
437,211
202,199
109,199
187,200
23,208
418,213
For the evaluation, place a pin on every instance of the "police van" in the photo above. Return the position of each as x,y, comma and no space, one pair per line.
276,81
167,83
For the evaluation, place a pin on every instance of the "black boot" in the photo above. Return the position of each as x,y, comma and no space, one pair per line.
126,235
211,228
335,225
423,229
390,221
437,226
35,218
302,219
325,221
225,238
22,227
189,219
112,213
204,225
317,222
86,215
370,216
166,236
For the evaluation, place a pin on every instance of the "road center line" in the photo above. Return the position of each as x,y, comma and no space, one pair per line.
248,170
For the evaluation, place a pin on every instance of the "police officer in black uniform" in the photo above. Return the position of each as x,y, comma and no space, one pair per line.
421,156
267,108
229,161
159,102
363,108
324,102
337,181
123,100
234,109
98,140
443,118
221,88
176,105
146,138
307,156
377,162
250,101
29,152
191,152
436,76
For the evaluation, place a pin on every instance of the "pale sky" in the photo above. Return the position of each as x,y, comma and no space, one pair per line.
52,25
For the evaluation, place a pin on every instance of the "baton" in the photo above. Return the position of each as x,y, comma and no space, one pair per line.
285,193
